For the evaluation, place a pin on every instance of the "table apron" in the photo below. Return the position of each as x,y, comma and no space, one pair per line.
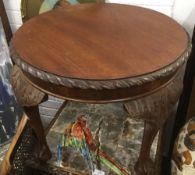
104,95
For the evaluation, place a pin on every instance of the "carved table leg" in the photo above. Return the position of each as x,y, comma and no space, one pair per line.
42,150
29,97
154,110
146,109
143,162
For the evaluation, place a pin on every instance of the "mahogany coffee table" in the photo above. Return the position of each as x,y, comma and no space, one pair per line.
100,53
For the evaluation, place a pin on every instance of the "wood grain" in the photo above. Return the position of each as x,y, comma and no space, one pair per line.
100,96
100,41
139,53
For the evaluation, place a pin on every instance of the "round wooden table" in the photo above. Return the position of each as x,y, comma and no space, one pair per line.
102,53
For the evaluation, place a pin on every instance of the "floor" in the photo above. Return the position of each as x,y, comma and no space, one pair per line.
120,136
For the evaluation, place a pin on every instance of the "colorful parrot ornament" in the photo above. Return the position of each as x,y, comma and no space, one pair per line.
77,135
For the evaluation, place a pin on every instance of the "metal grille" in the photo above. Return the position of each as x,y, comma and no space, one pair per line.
23,151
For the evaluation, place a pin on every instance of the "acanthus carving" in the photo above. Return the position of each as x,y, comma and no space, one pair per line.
156,107
101,84
29,98
26,94
154,110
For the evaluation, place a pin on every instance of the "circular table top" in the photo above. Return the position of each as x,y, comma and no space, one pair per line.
100,41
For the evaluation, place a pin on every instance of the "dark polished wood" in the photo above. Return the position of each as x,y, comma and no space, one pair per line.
100,42
103,95
100,53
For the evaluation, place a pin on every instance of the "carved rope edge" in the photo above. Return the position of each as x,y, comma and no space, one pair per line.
100,84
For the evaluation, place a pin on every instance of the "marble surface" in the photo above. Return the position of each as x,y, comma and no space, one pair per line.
3,149
120,136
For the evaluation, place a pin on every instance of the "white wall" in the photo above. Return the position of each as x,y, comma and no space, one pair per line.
13,12
164,6
184,13
181,10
